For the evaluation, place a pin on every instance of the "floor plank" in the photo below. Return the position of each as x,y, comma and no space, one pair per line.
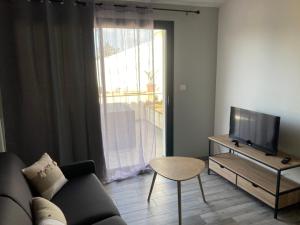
226,205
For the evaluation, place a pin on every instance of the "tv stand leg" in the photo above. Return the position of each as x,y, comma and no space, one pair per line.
209,154
277,194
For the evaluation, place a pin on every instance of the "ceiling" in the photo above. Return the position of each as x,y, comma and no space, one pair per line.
207,3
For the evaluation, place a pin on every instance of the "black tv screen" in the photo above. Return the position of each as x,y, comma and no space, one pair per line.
259,130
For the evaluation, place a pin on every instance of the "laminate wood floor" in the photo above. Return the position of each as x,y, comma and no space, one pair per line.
226,205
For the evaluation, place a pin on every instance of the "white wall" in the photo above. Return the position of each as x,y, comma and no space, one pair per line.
259,64
195,51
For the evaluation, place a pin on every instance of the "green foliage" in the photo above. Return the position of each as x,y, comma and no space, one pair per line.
110,50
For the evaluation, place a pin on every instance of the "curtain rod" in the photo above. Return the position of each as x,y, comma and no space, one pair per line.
138,7
155,8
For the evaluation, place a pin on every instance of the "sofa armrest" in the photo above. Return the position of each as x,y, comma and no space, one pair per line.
78,169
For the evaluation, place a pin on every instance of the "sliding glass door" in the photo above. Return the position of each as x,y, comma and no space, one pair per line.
132,74
167,30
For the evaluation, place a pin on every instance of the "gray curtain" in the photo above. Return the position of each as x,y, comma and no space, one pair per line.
2,132
49,85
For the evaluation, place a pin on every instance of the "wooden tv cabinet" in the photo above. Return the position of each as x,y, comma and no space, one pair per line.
263,182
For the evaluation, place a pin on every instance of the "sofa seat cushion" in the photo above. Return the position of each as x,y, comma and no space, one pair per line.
115,220
83,200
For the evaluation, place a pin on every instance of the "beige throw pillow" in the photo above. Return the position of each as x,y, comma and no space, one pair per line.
47,213
45,176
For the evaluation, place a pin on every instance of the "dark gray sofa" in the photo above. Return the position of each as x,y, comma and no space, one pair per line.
83,199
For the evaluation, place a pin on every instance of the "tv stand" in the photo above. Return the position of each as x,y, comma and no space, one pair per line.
265,184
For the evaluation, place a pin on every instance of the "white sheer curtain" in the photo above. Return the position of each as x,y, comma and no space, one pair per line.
124,57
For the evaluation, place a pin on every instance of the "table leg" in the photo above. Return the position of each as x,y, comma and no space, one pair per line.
209,154
201,187
179,201
277,194
152,185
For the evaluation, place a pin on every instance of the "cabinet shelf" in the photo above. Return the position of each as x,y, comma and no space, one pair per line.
254,173
246,171
268,160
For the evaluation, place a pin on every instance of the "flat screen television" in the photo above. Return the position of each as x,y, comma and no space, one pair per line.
258,130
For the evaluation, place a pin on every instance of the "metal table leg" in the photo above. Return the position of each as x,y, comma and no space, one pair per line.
179,202
201,187
277,193
152,185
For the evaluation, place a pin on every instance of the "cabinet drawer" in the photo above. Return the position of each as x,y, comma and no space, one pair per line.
219,169
256,191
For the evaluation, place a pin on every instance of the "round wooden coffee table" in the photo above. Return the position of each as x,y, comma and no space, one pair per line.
177,169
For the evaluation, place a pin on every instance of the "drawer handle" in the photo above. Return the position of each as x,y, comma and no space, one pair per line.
222,166
254,185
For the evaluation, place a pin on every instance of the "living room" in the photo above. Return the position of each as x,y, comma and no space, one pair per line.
163,83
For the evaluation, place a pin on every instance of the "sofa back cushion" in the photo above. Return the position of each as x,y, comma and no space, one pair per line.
12,213
13,183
